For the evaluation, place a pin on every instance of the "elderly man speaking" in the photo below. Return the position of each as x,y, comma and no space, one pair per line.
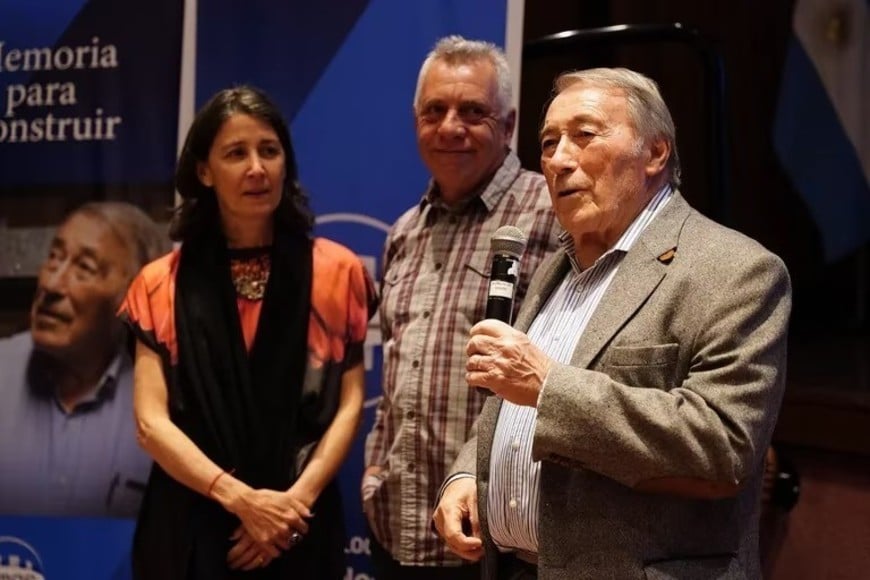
639,389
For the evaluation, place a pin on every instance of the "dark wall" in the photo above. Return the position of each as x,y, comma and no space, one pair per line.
752,38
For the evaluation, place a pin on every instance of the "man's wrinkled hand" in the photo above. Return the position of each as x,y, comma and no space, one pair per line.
456,520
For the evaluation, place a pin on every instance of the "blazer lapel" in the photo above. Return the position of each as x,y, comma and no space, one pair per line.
641,271
539,291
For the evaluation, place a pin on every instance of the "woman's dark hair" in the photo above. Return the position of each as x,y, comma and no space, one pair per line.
198,208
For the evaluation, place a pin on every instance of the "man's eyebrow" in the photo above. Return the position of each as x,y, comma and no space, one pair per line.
89,252
574,120
103,265
86,252
546,129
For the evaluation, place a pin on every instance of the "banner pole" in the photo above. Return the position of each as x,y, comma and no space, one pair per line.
513,43
187,81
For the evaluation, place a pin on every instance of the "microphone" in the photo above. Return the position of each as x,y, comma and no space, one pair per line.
508,244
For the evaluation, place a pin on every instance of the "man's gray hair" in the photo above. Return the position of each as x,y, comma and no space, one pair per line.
646,107
145,240
456,50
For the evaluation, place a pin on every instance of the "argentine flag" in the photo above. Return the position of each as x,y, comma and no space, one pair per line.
821,133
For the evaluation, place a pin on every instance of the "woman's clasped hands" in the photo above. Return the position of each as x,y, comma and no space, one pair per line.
272,521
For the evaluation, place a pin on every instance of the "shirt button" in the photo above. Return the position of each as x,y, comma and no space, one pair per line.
515,444
411,467
437,265
415,364
512,503
410,414
426,314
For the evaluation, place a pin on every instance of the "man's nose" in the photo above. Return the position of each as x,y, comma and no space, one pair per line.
452,124
564,158
54,280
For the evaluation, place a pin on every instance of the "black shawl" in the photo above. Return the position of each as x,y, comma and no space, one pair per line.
240,409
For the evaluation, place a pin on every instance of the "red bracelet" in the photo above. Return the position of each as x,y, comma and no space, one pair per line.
215,480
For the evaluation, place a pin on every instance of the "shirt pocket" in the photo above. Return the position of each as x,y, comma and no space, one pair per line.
480,263
647,366
396,292
125,495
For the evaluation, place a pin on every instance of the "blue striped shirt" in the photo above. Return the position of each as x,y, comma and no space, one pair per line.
512,505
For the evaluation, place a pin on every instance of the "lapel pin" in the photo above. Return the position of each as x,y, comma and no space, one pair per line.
667,256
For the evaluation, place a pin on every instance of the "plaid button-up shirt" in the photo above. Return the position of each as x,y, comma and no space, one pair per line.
435,284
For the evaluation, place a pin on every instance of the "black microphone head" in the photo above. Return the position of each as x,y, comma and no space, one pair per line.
508,240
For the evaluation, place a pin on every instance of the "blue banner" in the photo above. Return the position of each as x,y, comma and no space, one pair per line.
65,548
88,111
88,94
90,100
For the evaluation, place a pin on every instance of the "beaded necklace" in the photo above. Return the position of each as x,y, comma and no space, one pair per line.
249,268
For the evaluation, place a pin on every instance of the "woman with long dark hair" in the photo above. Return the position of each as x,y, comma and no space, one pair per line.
248,363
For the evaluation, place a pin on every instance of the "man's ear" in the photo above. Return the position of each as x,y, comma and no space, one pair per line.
204,174
510,123
659,151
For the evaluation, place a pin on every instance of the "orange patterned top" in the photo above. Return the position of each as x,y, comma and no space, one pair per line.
342,300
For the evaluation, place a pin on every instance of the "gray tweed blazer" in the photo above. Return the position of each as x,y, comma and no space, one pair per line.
678,376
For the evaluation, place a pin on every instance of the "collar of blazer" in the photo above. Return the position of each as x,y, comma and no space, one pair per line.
641,271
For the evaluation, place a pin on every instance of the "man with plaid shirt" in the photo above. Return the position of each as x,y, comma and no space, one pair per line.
435,283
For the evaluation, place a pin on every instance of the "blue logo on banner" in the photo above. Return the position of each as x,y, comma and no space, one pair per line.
19,560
